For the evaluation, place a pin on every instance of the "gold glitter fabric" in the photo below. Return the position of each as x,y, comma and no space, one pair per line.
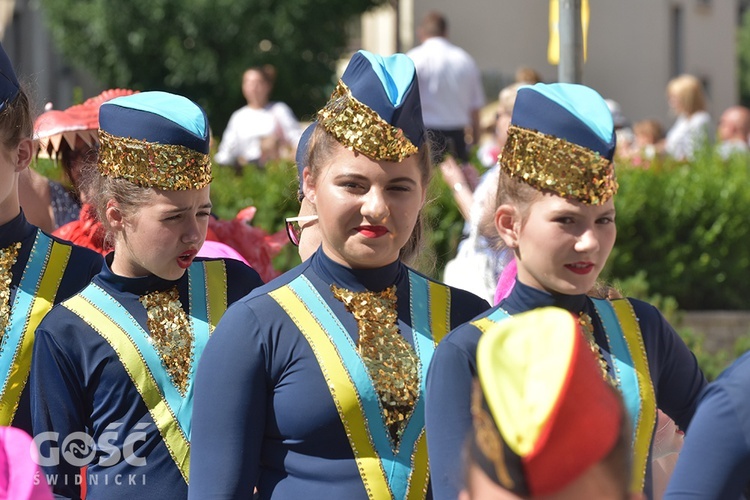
548,163
487,437
357,127
390,360
587,328
8,257
171,334
163,166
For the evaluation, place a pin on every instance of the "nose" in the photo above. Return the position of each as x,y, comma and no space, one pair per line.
375,206
588,241
193,231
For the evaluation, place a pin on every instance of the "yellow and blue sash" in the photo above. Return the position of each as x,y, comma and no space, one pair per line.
634,378
402,473
630,371
171,411
34,298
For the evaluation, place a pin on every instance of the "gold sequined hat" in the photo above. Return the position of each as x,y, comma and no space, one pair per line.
542,412
155,139
562,140
375,108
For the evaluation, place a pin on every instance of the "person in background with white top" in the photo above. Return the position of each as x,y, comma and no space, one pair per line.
692,129
262,130
451,88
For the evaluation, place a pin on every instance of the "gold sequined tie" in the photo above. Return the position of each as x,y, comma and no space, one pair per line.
390,360
171,334
8,257
587,327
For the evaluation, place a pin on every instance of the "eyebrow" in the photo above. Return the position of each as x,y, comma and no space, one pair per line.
353,175
178,210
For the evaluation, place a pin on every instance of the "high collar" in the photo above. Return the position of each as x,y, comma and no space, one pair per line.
525,298
138,286
17,229
356,280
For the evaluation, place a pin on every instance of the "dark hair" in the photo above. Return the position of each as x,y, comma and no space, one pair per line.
16,122
434,24
321,148
267,71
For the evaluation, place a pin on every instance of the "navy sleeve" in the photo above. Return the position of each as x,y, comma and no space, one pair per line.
715,459
57,407
448,409
678,380
229,410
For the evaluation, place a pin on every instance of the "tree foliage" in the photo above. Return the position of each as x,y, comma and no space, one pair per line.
200,48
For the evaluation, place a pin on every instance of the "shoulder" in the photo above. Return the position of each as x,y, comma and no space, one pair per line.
735,381
281,281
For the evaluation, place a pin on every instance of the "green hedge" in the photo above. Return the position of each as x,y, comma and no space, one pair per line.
685,228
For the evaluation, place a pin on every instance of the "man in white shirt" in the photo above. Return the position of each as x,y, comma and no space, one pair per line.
734,127
450,87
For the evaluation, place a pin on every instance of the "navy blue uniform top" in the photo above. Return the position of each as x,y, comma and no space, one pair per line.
676,377
715,458
79,385
264,416
82,265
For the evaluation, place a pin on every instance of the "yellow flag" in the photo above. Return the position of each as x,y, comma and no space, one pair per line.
553,49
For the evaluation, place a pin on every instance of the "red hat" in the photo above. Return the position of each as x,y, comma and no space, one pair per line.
53,127
542,388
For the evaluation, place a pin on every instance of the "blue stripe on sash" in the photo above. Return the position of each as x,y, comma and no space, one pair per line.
398,466
621,359
182,408
24,299
498,315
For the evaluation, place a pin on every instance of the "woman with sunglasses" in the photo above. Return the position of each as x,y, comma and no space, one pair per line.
313,386
306,221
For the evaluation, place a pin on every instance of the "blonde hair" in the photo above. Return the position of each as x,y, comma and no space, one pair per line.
689,93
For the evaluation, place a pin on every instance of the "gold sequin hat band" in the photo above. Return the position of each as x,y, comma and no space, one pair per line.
539,399
375,108
155,139
562,140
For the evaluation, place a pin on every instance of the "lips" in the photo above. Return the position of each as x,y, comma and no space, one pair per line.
580,267
186,258
372,231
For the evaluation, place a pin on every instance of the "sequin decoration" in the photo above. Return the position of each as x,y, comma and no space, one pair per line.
487,437
390,360
548,163
163,166
359,128
587,328
171,334
8,257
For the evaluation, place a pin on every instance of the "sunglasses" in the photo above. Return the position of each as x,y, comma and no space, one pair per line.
295,225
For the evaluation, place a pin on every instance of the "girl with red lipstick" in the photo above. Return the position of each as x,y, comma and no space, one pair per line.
555,210
114,365
313,386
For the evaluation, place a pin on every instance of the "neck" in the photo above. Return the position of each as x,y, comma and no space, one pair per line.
9,208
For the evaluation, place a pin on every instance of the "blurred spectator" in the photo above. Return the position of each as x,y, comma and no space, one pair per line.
527,75
733,130
261,130
623,132
450,88
648,136
692,129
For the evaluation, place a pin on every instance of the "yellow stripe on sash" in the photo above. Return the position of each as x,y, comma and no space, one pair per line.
131,359
216,288
483,324
43,302
440,307
644,428
342,390
420,473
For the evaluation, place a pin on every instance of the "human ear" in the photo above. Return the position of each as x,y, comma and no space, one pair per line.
24,153
308,188
508,223
115,219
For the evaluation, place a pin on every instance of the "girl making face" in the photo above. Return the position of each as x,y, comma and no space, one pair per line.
314,387
115,363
